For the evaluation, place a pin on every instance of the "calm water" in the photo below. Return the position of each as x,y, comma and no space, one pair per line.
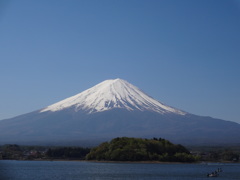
68,170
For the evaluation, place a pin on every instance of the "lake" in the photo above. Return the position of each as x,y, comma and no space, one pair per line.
72,170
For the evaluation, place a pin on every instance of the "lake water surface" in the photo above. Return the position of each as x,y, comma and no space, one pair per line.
68,170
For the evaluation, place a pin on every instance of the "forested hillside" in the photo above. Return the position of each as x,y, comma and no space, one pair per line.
137,149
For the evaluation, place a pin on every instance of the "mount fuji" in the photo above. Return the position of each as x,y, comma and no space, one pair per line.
114,108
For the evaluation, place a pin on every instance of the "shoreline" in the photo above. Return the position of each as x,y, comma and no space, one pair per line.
132,162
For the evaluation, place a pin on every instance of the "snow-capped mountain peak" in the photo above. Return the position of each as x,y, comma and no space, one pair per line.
110,94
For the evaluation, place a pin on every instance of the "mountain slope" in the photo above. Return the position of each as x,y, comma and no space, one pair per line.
112,109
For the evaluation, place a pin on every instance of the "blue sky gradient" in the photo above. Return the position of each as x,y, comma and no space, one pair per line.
185,53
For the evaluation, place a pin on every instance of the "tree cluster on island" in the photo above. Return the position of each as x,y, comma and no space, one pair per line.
138,149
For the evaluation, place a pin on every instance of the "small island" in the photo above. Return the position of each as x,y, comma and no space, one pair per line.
138,149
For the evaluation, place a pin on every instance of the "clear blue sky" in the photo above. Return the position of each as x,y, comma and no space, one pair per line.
184,53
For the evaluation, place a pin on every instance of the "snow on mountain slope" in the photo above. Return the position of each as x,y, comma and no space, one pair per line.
111,94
